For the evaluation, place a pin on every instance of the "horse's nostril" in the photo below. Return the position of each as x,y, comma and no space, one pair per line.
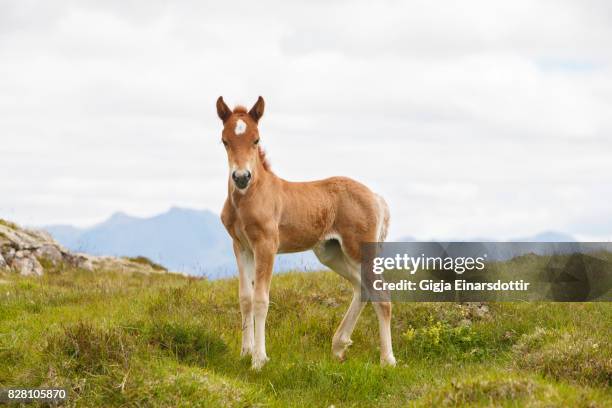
246,175
241,178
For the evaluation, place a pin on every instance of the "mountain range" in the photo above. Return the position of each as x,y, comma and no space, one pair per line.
191,241
181,239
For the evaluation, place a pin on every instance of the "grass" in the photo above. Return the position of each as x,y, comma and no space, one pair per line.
146,261
165,340
8,224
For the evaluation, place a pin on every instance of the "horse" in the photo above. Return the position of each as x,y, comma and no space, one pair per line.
266,215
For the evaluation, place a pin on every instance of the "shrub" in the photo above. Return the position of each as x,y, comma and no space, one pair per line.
440,339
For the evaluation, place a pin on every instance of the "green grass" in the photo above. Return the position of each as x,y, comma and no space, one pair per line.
143,260
131,339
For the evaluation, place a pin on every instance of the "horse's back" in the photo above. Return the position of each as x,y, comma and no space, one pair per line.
360,215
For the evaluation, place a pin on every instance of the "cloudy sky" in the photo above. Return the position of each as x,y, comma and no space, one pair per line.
473,118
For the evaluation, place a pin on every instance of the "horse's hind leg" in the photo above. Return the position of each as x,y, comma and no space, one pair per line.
382,308
342,338
383,312
331,255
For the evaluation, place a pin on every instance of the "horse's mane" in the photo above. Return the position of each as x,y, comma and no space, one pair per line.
240,109
264,160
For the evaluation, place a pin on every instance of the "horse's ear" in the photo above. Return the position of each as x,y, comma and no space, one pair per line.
222,110
257,110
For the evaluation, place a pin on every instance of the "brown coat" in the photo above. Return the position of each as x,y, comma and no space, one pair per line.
266,215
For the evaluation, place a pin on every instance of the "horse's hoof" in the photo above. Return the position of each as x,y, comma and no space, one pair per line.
388,361
340,356
339,348
258,362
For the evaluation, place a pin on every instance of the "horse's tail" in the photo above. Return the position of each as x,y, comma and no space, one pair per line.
383,218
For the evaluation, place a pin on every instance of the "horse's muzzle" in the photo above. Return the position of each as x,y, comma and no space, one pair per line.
241,178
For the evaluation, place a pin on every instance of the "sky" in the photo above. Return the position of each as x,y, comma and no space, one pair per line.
473,119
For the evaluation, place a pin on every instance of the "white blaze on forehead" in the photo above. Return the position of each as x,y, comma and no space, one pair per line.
240,127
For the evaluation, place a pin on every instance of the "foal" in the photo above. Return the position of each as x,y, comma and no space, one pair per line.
266,215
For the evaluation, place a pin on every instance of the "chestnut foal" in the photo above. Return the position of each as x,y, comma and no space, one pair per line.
266,215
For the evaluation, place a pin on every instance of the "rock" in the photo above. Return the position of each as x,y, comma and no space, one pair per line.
84,262
41,236
80,261
27,266
22,239
481,311
9,255
49,252
475,311
23,249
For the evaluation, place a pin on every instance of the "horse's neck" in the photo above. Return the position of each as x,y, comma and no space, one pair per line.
267,184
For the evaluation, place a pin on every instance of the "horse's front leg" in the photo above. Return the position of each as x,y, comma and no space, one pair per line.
265,251
246,269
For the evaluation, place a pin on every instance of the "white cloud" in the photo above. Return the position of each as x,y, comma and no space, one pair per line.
473,119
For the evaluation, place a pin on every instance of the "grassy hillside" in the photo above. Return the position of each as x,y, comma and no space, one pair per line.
129,339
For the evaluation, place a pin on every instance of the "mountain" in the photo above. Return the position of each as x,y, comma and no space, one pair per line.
66,234
543,243
185,240
195,242
547,236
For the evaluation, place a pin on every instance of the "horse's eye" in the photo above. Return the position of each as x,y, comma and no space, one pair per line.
224,142
256,142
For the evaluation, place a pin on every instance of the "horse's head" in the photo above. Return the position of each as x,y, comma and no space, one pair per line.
241,139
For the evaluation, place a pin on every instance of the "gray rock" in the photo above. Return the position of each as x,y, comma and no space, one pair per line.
9,254
20,239
87,264
41,236
27,266
49,252
84,262
80,261
23,249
